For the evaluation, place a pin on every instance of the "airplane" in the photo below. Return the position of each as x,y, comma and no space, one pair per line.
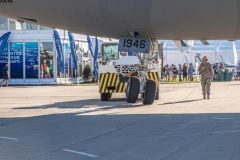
137,23
158,19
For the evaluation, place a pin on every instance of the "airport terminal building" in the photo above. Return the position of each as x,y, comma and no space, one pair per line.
31,48
216,51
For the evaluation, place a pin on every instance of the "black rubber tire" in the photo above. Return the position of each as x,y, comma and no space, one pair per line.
105,96
157,95
132,91
150,92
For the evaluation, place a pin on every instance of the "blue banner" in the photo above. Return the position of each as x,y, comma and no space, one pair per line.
59,50
73,50
3,41
95,59
94,55
90,45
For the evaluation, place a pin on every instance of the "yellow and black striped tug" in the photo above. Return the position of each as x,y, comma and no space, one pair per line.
110,82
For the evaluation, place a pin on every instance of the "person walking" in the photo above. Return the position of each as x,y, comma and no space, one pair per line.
206,71
5,75
180,73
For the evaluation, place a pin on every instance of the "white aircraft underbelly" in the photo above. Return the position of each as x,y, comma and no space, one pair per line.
160,19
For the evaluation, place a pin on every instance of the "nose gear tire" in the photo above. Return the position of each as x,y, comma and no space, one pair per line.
150,92
132,91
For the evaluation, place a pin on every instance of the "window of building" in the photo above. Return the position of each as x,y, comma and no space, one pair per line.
30,26
46,59
31,59
3,23
45,28
16,25
3,59
16,60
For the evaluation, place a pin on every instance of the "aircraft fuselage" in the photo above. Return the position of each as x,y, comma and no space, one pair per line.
160,19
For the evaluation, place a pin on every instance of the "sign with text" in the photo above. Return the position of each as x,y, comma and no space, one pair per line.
31,60
16,60
130,44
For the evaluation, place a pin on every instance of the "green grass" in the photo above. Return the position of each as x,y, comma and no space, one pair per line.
195,80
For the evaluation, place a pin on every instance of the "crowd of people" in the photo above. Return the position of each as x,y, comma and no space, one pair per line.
221,67
183,72
217,68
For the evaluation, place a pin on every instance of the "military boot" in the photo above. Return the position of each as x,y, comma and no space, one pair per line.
204,96
208,96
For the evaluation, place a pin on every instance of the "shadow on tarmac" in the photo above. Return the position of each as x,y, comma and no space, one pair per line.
87,104
181,102
134,136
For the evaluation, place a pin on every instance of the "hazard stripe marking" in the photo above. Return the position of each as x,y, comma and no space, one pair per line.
109,82
104,83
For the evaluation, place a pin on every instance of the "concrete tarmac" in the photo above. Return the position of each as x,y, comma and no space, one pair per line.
71,123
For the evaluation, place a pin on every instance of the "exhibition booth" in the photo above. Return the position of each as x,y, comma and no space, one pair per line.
32,56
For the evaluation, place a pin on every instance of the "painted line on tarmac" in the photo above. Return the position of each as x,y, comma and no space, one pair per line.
82,153
14,139
220,118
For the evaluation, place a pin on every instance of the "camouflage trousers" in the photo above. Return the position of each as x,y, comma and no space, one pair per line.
206,83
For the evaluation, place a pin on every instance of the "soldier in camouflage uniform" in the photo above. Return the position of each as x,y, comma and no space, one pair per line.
206,71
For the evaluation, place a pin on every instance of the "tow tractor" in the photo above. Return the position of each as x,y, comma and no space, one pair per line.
133,75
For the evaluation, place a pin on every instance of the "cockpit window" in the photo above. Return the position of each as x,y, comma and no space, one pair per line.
110,51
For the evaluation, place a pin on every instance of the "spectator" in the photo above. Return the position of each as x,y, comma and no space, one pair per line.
166,72
180,72
175,73
185,68
163,72
234,75
222,66
190,73
170,73
215,70
238,71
